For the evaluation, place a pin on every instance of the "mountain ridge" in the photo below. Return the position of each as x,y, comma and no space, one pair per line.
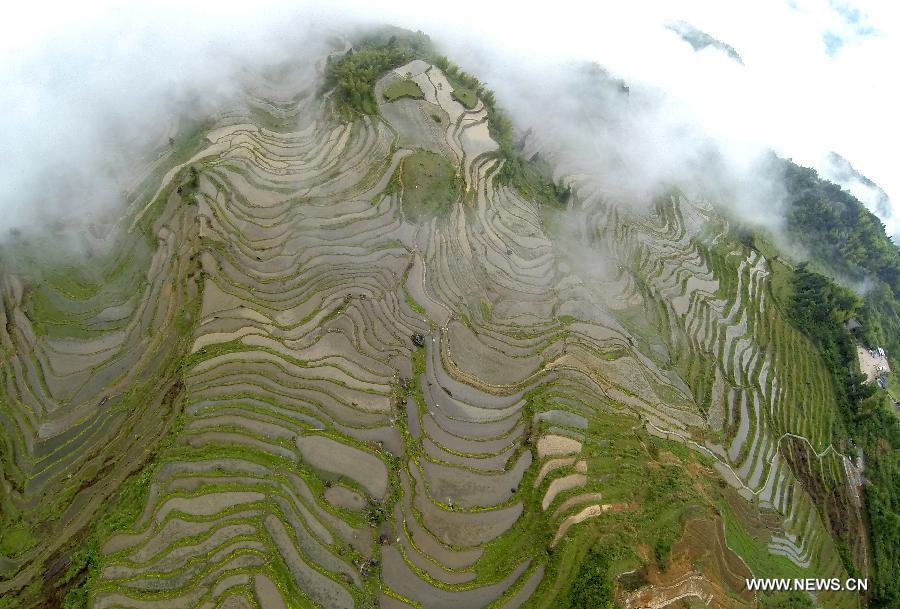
524,366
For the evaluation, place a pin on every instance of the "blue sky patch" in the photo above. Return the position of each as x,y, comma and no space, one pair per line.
833,43
851,15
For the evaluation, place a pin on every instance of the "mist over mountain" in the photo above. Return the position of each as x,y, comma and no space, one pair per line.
73,102
447,309
840,171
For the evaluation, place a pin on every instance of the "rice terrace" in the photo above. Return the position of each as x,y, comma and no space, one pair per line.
344,347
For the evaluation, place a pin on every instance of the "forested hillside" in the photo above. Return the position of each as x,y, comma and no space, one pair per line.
847,241
850,242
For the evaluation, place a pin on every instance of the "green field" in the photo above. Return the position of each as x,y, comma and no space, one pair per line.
430,185
402,88
466,97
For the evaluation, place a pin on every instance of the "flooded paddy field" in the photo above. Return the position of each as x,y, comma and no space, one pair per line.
348,366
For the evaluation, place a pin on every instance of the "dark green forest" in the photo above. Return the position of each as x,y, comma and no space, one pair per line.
352,76
849,241
593,586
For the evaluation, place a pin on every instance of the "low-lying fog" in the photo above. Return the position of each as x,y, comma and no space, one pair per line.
89,87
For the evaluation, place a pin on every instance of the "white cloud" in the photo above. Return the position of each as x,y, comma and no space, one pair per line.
790,95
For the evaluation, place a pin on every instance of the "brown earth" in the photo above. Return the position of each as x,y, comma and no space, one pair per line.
701,566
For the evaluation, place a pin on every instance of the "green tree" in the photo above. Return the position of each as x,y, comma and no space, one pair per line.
593,585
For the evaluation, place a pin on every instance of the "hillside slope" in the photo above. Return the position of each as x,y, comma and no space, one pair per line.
343,363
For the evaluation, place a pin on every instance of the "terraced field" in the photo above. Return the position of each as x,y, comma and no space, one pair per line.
328,390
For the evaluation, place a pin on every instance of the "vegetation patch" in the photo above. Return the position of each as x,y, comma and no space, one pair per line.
352,76
15,540
593,586
465,96
403,88
430,185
